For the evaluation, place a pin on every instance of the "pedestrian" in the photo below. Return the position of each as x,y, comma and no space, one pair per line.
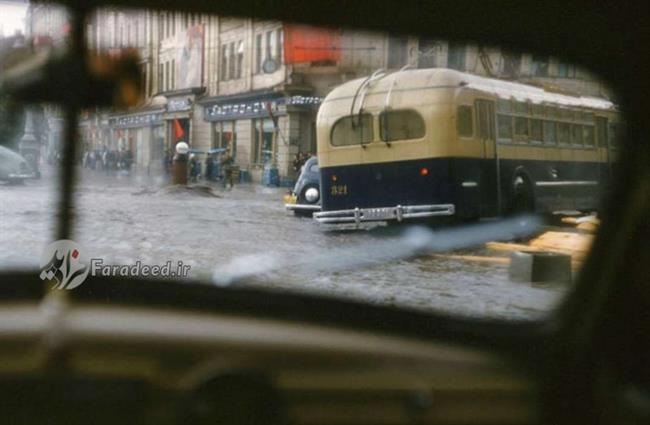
167,162
296,163
209,167
227,167
195,168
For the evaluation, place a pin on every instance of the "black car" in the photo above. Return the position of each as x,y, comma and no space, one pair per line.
305,197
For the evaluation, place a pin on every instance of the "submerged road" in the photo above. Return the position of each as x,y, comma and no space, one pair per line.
246,231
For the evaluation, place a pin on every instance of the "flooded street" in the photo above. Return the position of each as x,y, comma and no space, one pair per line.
123,219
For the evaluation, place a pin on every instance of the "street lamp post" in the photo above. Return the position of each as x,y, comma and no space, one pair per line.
179,166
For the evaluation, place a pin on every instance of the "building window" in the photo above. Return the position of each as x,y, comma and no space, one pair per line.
224,61
427,50
566,70
263,141
511,64
279,36
269,45
166,77
173,76
240,59
143,80
397,51
161,76
231,61
258,53
352,130
161,26
464,125
456,56
539,66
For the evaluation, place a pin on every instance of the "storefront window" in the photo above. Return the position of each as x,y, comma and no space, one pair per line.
225,136
263,141
158,142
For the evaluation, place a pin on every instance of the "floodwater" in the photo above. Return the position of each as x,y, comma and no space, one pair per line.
246,232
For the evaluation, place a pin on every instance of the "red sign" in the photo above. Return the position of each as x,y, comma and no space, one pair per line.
309,44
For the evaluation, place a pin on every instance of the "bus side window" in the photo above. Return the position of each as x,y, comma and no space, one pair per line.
550,133
464,121
564,133
613,135
521,129
401,125
352,130
504,130
588,136
601,131
536,131
576,134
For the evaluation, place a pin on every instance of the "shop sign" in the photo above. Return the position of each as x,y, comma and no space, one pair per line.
179,105
257,108
142,120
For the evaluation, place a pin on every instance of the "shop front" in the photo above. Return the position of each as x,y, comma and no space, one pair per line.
262,131
141,136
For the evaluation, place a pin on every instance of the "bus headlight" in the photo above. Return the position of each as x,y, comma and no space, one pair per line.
311,195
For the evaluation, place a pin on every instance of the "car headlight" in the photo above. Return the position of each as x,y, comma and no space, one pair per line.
311,195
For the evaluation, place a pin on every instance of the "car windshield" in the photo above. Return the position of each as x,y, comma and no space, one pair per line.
449,176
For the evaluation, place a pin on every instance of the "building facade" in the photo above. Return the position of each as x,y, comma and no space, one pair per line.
254,87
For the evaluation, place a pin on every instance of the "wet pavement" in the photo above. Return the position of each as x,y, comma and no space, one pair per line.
122,219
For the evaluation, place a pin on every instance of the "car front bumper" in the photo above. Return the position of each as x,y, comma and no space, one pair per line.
21,176
291,204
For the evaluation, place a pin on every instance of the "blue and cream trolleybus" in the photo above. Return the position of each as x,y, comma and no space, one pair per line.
418,144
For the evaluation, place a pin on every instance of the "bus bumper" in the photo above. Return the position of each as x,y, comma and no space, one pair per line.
399,213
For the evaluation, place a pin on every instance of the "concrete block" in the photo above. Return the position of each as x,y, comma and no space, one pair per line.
540,267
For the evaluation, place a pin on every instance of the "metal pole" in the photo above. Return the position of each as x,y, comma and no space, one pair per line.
70,136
